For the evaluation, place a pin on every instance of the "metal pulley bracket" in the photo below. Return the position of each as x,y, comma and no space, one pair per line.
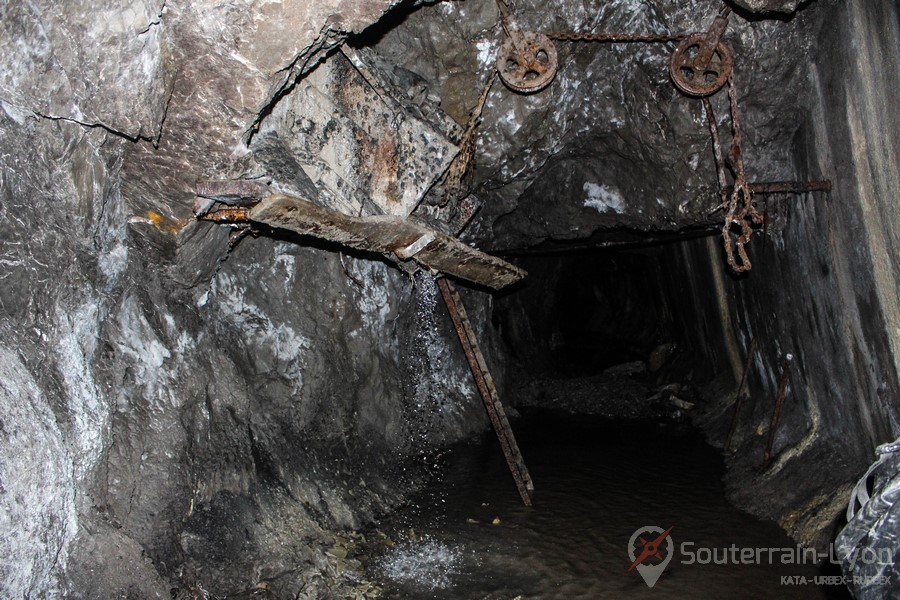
702,63
527,61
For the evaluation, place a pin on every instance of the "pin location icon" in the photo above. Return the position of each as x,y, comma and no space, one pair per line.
654,546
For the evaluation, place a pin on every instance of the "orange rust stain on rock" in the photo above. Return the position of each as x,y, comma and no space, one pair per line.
162,223
384,171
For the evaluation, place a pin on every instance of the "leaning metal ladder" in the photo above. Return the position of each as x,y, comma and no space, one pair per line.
487,389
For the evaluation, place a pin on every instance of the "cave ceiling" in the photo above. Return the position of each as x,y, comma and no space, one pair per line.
610,145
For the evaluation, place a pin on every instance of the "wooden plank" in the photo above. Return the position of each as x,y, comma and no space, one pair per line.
489,395
387,234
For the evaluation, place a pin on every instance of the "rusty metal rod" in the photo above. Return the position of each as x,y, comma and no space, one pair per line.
779,405
787,187
739,398
227,215
485,384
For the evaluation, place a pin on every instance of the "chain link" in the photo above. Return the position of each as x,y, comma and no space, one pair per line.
463,165
739,205
574,36
740,209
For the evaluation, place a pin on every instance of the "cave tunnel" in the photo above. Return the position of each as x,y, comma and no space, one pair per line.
449,299
583,310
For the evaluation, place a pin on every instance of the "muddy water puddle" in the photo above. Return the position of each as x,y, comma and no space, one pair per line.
597,482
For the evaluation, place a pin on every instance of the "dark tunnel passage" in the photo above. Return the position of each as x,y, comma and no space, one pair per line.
580,312
587,308
633,330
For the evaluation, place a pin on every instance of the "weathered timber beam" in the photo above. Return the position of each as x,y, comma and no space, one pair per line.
387,234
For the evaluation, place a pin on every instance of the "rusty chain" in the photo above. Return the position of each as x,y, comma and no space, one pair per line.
527,61
574,36
463,164
717,149
700,66
739,205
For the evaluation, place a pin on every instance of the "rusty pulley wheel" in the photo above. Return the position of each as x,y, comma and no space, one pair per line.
698,69
527,62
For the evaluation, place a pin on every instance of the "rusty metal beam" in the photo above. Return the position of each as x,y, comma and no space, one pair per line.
236,215
488,390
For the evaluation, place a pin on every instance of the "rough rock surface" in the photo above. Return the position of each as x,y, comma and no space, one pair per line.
160,393
178,413
357,145
610,144
150,394
99,64
767,6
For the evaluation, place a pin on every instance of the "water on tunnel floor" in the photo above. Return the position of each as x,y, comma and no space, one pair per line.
597,482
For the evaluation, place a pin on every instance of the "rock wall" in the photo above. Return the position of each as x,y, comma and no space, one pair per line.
822,290
610,143
176,413
179,413
826,290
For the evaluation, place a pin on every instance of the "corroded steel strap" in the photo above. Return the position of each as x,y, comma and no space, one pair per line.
492,388
484,382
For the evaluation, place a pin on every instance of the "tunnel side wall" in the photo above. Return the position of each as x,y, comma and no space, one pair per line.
174,412
824,289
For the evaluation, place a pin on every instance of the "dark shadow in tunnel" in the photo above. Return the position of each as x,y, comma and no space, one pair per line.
645,299
393,18
582,312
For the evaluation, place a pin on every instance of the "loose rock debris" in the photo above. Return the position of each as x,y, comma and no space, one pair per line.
624,391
